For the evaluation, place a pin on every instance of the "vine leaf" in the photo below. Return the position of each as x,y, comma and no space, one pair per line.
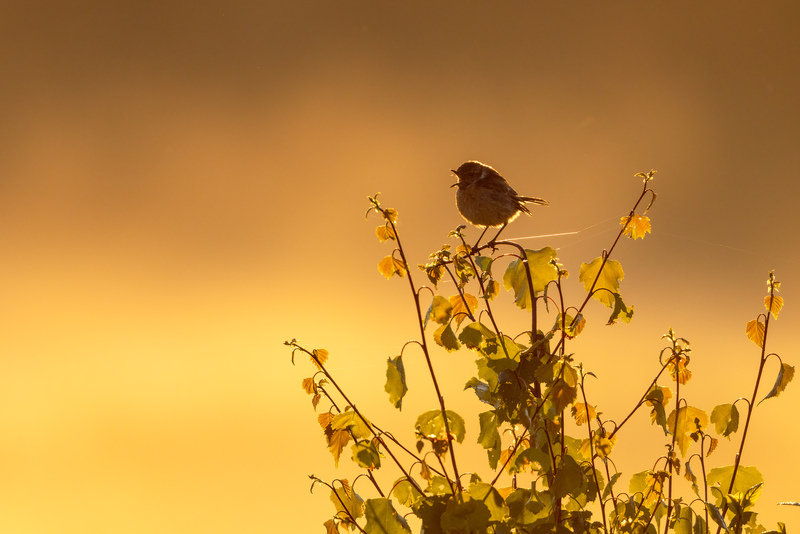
390,265
346,500
469,515
639,225
463,307
785,376
686,421
608,275
383,518
431,425
542,273
746,478
366,454
445,337
350,421
385,233
755,332
440,311
726,419
568,479
583,412
621,311
777,304
319,357
657,398
336,444
396,385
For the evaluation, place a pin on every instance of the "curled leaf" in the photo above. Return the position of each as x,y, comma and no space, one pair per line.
785,376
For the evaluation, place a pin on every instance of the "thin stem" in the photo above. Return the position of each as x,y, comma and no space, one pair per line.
369,425
591,454
426,352
752,403
641,401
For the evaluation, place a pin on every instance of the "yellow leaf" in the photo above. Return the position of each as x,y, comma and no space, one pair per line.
391,265
338,441
583,412
390,214
678,370
384,233
460,308
602,445
607,279
777,304
308,385
755,332
320,356
638,227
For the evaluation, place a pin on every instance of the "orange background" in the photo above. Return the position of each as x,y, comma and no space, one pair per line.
183,185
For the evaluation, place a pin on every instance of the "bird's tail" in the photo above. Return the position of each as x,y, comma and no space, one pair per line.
534,200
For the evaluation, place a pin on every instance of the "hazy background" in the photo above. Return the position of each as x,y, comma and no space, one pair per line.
183,187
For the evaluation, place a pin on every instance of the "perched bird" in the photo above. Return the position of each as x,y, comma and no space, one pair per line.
485,199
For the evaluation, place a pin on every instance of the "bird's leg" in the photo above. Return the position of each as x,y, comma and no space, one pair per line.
479,238
498,234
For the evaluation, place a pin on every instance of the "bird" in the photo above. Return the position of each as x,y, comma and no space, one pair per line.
485,199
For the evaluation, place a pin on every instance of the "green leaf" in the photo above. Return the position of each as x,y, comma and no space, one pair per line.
683,524
638,483
349,420
382,518
475,335
542,273
746,478
564,390
471,515
482,391
440,311
785,376
430,510
488,435
504,355
405,492
610,486
621,311
431,425
607,280
492,289
396,385
445,337
484,263
366,455
488,495
524,508
726,419
439,486
568,479
346,501
716,515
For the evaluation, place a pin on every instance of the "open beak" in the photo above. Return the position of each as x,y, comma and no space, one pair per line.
454,172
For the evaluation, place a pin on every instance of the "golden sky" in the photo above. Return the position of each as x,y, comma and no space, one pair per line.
183,187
